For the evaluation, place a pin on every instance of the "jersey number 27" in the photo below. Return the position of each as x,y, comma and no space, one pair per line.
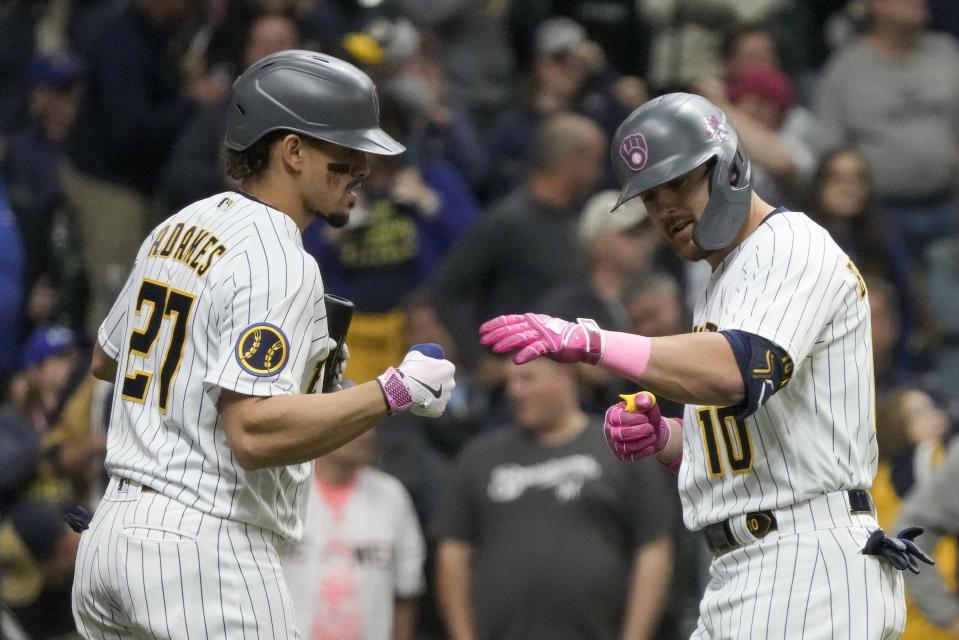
164,303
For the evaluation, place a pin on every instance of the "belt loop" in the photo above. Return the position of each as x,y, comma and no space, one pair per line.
860,502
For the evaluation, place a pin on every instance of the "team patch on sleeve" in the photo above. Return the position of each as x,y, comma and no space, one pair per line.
262,349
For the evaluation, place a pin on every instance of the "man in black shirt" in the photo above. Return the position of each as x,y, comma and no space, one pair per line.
543,534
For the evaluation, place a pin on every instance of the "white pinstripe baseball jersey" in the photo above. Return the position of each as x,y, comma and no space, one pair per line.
222,296
789,283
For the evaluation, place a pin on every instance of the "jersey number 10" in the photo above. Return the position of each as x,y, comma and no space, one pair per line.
735,435
164,303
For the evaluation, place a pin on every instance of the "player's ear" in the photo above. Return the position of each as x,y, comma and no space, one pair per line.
291,149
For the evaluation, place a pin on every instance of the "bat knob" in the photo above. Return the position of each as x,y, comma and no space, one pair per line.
430,349
631,399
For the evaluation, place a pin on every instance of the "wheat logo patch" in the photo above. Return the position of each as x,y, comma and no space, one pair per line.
262,349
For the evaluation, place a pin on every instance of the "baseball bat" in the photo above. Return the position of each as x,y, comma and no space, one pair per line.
339,314
430,349
630,399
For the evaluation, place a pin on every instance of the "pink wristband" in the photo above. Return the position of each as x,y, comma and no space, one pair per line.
625,354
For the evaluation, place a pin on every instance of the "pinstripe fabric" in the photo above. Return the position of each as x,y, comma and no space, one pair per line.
807,580
151,567
195,557
791,284
264,276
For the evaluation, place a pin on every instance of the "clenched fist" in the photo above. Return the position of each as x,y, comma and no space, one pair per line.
634,432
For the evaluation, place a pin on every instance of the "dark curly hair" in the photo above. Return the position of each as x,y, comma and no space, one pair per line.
252,161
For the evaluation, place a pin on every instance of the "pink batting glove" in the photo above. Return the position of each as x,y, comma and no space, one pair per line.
635,428
535,335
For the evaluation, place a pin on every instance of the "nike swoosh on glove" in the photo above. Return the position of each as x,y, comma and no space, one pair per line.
420,384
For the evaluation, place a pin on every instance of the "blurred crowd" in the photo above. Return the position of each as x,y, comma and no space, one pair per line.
111,118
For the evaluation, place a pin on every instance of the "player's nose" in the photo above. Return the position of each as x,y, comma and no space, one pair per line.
361,166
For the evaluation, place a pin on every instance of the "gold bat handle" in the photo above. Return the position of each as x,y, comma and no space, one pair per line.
630,399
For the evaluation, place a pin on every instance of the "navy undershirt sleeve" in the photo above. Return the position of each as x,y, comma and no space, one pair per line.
765,367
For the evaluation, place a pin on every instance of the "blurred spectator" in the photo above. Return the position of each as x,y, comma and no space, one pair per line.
543,534
359,568
35,152
38,552
55,393
134,106
417,450
49,359
761,103
19,451
413,209
410,69
891,370
912,431
228,50
943,296
894,93
842,199
17,45
195,168
747,45
606,21
934,506
55,277
75,445
569,74
526,243
12,284
688,34
654,306
475,49
618,247
831,24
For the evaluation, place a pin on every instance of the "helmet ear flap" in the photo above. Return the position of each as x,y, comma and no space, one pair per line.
728,203
742,168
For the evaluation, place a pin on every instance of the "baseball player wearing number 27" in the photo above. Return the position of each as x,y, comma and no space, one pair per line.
777,448
216,345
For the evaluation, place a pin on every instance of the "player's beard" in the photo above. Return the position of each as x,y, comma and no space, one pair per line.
337,219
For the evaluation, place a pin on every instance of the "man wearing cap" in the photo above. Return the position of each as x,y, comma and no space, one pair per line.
216,345
48,361
35,152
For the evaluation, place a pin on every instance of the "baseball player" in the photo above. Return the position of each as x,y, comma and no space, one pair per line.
215,345
777,449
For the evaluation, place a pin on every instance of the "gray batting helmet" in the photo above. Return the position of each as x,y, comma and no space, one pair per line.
309,93
670,136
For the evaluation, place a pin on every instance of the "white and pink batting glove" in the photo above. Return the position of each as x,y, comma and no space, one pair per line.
635,428
533,335
422,384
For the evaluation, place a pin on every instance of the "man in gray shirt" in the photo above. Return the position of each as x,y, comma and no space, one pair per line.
894,93
934,506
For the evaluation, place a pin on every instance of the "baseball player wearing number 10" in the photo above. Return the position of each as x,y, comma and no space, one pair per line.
216,345
777,448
